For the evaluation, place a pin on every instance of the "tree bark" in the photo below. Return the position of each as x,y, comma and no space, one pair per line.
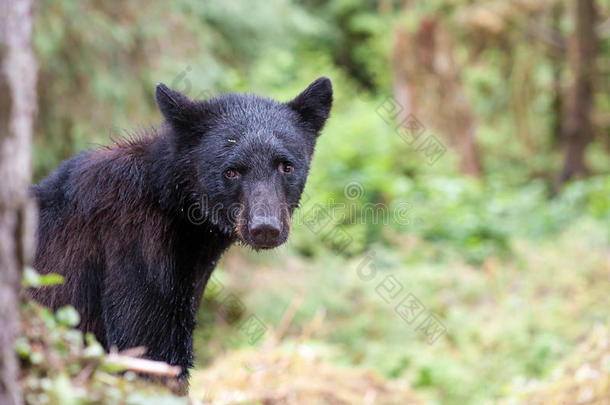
17,108
557,56
428,80
577,128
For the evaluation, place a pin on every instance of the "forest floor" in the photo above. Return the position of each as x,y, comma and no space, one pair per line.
343,331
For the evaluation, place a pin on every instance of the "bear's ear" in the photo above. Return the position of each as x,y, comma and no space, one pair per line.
313,104
179,110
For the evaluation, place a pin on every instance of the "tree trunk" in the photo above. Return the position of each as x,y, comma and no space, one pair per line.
17,108
557,56
428,80
577,128
402,87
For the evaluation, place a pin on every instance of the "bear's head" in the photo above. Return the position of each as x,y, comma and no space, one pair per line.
250,156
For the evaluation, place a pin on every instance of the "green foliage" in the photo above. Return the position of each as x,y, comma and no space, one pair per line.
61,366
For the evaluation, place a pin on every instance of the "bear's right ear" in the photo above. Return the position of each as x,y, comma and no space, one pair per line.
179,110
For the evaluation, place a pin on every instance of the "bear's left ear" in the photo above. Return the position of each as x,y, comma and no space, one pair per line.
179,110
313,104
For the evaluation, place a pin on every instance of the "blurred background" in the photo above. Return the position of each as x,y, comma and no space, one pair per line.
453,241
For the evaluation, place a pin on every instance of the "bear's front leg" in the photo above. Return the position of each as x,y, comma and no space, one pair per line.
141,314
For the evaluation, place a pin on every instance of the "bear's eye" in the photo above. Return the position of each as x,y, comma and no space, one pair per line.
231,174
286,168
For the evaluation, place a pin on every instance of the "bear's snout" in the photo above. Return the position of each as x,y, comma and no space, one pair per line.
264,219
265,232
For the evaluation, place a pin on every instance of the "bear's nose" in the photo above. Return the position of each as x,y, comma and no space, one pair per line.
265,231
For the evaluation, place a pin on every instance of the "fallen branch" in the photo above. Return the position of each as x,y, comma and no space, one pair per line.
144,366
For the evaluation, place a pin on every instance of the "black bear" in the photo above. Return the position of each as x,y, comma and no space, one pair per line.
117,221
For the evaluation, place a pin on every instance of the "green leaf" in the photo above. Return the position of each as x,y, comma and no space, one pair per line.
31,278
67,316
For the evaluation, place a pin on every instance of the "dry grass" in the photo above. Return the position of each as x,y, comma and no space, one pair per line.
292,373
276,375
